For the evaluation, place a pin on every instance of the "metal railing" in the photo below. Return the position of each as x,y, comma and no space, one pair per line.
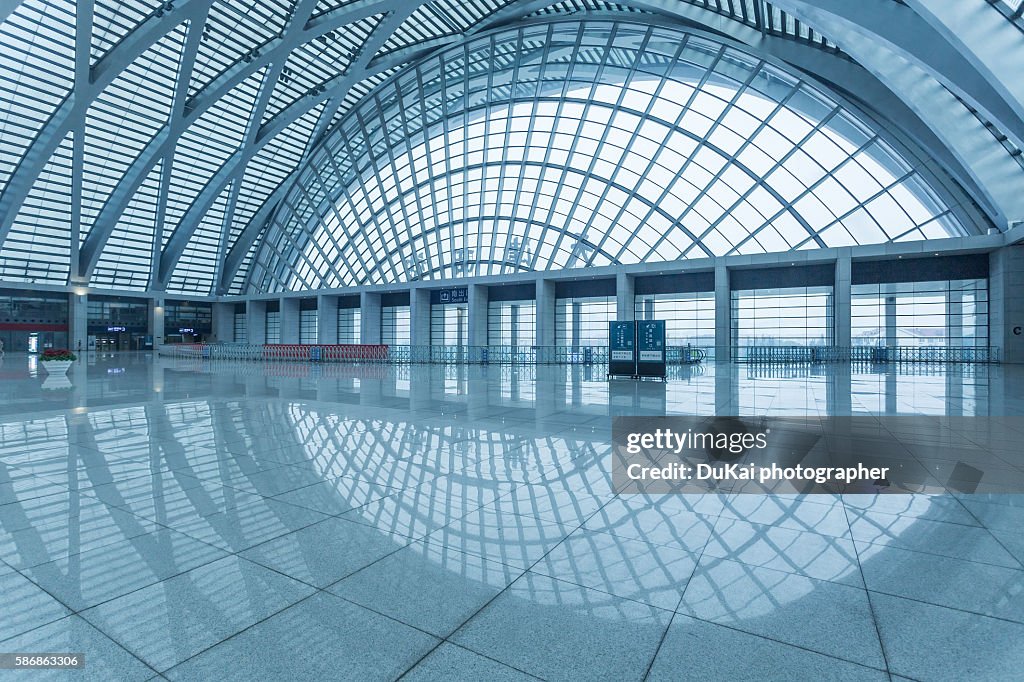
404,354
864,354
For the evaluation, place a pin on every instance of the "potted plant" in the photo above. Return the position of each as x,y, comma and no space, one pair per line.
57,360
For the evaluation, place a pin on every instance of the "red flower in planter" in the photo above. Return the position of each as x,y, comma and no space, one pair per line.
58,354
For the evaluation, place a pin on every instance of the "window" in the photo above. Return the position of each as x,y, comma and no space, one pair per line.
689,318
512,323
349,325
274,327
395,325
798,316
951,313
241,328
449,324
307,326
583,321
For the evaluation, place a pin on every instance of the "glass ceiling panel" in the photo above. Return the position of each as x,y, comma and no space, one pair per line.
127,256
113,20
195,270
37,71
614,143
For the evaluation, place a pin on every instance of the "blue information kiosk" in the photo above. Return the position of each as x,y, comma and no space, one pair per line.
622,349
650,349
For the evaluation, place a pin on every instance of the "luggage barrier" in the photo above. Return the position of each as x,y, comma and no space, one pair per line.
864,354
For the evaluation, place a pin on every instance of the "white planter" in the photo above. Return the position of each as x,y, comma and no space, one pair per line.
56,366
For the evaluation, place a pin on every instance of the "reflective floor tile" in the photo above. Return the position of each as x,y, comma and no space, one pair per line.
697,650
1008,515
431,587
966,585
935,643
95,576
501,536
451,662
337,496
239,528
105,660
24,605
560,631
175,619
665,521
820,514
824,557
641,571
780,605
325,552
323,637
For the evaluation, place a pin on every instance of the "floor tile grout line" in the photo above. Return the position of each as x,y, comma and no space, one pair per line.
871,605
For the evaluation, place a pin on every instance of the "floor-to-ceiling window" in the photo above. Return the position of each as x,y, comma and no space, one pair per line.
790,316
395,329
940,313
689,318
349,321
583,321
307,326
449,324
512,323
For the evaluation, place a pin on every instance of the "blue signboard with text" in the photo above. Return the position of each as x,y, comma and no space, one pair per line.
622,348
650,348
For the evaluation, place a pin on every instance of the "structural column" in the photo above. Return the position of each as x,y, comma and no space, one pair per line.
156,321
625,309
78,322
478,298
327,319
891,335
545,312
1006,304
419,316
290,320
224,322
723,314
256,322
369,318
841,296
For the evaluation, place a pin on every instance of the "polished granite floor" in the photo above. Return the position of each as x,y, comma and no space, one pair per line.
247,521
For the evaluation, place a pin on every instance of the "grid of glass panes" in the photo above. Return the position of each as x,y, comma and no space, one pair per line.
307,326
583,321
689,318
395,327
512,323
944,313
273,334
241,330
449,324
797,316
348,325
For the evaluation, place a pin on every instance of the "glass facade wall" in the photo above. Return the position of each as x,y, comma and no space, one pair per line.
792,316
449,324
512,323
917,314
689,318
349,320
395,327
583,321
308,326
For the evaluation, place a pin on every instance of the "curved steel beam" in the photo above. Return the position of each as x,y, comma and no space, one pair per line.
164,142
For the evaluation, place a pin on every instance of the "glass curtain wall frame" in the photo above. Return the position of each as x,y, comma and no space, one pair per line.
689,318
395,325
952,313
449,324
349,325
512,323
241,328
583,321
308,326
273,328
790,316
572,144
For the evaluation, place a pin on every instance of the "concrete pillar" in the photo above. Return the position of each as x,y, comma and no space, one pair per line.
156,321
1006,304
419,316
256,322
224,322
723,314
327,319
289,320
78,322
842,311
369,318
625,308
478,298
545,312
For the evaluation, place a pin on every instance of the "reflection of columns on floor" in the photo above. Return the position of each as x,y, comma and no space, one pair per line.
419,316
723,314
547,402
477,315
839,390
841,303
155,320
327,319
78,321
478,398
891,395
545,312
726,389
955,390
224,322
256,321
421,387
891,336
290,320
625,309
369,318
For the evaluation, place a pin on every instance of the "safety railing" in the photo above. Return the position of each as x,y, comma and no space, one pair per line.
405,354
864,354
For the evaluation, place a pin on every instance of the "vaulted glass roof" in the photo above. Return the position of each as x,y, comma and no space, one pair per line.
575,144
153,145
